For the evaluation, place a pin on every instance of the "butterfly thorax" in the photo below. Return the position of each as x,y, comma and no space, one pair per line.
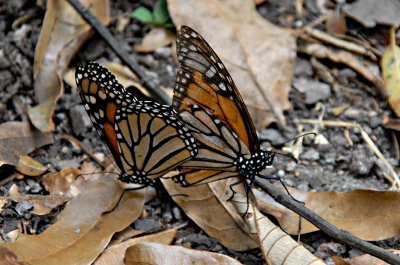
259,160
139,177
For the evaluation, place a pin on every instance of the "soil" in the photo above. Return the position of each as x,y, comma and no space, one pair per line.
339,166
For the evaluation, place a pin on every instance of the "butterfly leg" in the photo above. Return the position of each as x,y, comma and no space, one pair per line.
283,184
122,195
231,188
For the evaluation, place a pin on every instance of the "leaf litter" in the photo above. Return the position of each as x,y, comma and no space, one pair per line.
216,199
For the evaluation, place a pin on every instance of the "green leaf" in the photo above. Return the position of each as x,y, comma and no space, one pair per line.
160,13
142,14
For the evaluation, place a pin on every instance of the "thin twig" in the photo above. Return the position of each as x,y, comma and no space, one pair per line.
328,228
350,46
119,51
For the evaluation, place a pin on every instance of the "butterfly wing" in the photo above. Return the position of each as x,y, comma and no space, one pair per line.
218,149
152,139
145,138
100,92
202,79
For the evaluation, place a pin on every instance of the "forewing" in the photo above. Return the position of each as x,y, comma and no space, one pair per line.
202,79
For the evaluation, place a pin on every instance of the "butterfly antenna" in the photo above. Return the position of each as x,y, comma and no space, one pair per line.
294,139
287,155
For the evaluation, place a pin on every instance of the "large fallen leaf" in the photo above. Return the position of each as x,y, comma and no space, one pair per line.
363,259
19,138
206,210
115,254
70,182
153,253
259,55
63,33
368,214
390,64
277,246
156,38
9,258
372,12
82,232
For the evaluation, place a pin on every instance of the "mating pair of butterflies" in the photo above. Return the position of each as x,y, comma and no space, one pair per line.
207,133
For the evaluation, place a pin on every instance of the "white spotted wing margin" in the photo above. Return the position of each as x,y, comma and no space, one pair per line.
152,140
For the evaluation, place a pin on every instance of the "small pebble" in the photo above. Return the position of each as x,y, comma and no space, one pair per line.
23,207
310,154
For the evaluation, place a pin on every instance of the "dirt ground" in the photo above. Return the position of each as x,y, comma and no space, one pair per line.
345,164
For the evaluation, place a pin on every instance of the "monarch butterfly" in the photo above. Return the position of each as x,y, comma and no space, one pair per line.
145,138
210,104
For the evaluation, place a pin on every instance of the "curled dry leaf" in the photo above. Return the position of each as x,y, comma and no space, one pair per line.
9,258
70,182
276,246
153,253
82,231
30,167
156,38
19,138
206,210
390,64
368,214
63,32
259,55
363,259
115,254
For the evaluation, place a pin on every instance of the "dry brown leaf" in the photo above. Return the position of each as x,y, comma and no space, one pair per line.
70,182
277,246
30,167
115,254
363,259
368,214
336,22
207,211
81,232
62,34
259,55
9,258
156,38
153,253
371,12
18,138
390,64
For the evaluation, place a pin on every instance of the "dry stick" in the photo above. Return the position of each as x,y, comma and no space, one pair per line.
119,51
339,42
328,228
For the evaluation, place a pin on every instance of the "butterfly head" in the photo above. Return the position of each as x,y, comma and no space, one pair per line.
256,163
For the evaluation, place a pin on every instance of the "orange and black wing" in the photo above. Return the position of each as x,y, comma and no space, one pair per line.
100,92
202,79
152,140
145,138
219,149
